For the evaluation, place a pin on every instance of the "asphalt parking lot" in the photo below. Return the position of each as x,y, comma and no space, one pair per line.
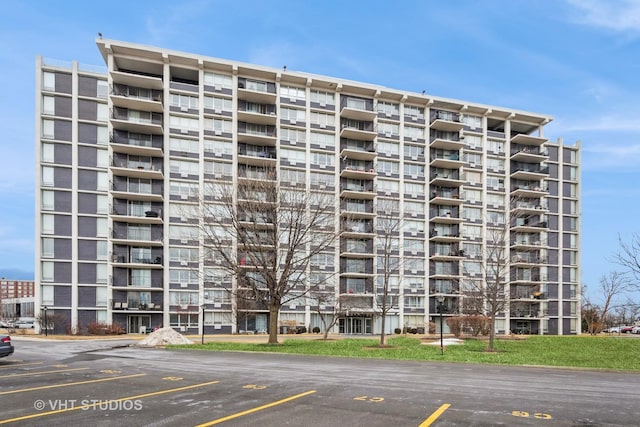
106,382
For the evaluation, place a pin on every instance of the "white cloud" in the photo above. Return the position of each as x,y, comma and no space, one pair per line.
610,157
617,15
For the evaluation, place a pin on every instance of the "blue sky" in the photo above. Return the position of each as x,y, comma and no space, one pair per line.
577,60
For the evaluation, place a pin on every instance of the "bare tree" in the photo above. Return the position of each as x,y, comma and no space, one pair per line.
388,227
265,235
328,308
610,287
628,256
485,293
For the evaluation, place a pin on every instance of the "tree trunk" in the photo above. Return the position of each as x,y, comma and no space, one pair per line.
382,324
274,309
492,333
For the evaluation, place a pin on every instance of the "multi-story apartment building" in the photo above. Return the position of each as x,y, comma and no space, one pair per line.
124,152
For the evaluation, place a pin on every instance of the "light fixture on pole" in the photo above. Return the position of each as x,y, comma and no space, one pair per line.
440,300
202,340
46,321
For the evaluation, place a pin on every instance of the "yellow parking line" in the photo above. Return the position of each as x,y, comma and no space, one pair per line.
93,405
41,372
19,364
435,415
259,408
70,384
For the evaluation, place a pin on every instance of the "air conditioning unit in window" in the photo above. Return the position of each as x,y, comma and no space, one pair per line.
323,126
184,285
184,263
217,132
184,109
184,131
184,197
184,175
216,111
323,104
217,88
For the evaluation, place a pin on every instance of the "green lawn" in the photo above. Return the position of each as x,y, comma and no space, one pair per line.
616,353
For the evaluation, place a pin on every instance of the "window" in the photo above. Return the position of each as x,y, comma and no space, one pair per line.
103,181
102,158
184,101
102,89
140,278
48,153
48,200
102,136
101,273
495,146
217,80
101,250
413,302
472,231
218,147
102,113
414,207
294,114
414,188
47,295
293,135
48,224
101,296
388,129
183,298
102,204
473,159
218,104
48,129
187,123
474,122
388,186
413,169
413,132
102,228
413,112
48,81
389,148
47,271
48,105
322,119
322,159
388,167
293,92
48,176
495,164
220,125
388,108
323,98
324,140
47,249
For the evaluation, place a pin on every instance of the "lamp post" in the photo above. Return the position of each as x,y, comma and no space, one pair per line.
202,340
46,321
440,299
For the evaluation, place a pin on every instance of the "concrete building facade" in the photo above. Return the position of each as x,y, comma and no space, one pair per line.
123,152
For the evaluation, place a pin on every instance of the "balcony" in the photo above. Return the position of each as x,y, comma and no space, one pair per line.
257,133
257,91
445,216
446,121
445,196
358,170
136,144
137,217
131,169
530,207
134,238
445,160
357,108
450,178
524,139
528,154
261,156
135,98
445,235
126,261
137,121
357,130
136,191
355,191
357,150
446,140
250,112
530,191
528,171
140,80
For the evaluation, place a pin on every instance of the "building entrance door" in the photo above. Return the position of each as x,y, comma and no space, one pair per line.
355,325
138,324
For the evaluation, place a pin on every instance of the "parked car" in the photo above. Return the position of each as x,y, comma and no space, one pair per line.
626,329
613,330
6,324
635,330
26,324
6,347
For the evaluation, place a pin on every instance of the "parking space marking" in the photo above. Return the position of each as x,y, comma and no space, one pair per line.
435,415
256,409
70,384
41,372
14,364
93,405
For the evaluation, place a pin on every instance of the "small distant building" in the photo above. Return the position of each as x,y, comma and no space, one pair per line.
17,298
